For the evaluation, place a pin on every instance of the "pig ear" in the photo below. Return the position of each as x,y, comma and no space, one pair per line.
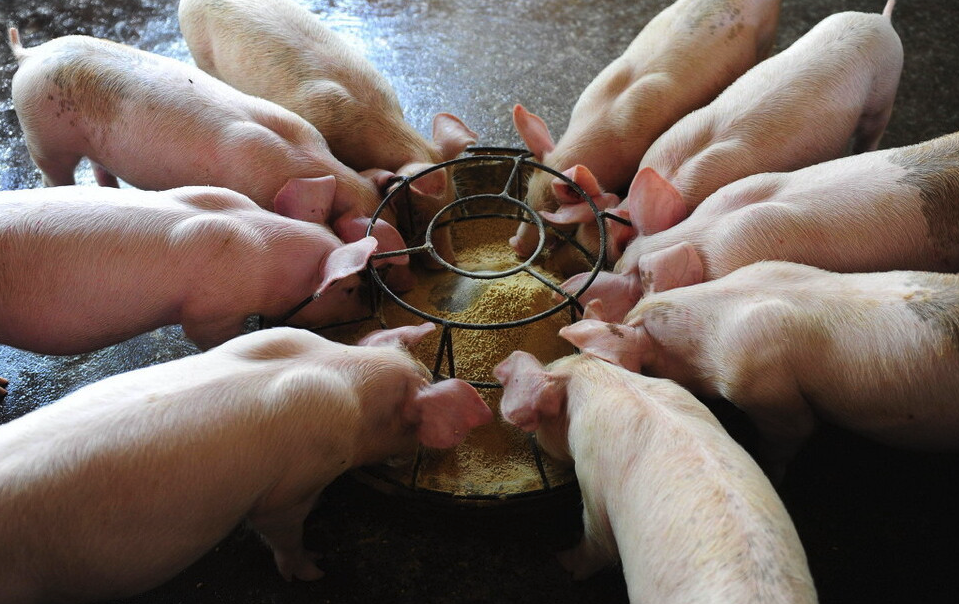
573,208
533,130
530,393
622,345
676,266
308,199
407,336
346,260
654,203
432,184
445,412
388,239
380,178
594,310
618,235
451,136
620,291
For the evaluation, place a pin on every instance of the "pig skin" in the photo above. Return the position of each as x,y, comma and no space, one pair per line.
117,487
665,488
158,123
894,209
280,51
800,107
107,264
790,345
678,62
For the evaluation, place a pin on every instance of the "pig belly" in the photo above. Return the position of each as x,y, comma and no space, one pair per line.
84,299
901,393
67,326
923,424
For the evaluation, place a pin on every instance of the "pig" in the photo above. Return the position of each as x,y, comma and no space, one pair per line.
665,488
118,486
158,123
678,62
791,345
893,209
279,50
85,267
830,92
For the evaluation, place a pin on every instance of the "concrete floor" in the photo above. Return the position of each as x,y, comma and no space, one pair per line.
878,524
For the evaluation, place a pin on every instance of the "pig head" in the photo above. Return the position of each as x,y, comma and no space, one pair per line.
442,412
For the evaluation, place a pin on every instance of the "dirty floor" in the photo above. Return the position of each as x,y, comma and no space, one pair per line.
879,525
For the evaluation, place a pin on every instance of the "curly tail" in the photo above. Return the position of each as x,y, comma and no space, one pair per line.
14,39
887,12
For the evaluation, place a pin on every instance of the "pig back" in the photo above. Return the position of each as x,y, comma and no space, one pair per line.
287,55
810,103
872,352
158,123
115,263
675,486
123,483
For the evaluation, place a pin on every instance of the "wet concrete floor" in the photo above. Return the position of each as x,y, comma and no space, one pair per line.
879,525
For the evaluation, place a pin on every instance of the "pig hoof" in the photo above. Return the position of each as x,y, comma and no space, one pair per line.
3,390
580,564
301,566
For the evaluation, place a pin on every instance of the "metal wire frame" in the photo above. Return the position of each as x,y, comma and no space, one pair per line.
459,211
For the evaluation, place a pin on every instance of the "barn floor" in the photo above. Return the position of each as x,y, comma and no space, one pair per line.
879,525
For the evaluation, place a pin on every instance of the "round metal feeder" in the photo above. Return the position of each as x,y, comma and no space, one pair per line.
491,187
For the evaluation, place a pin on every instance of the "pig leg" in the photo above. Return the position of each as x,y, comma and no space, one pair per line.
283,532
875,116
56,171
596,550
207,333
784,421
584,560
870,129
104,178
761,384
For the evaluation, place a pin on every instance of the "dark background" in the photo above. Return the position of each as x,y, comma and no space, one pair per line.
878,524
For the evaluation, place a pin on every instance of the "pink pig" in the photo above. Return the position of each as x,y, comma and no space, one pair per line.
139,475
665,488
791,345
279,50
158,123
798,108
680,61
107,264
884,210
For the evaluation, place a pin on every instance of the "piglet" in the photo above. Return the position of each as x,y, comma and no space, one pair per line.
665,489
892,209
139,475
158,123
791,344
834,85
279,50
678,62
86,267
